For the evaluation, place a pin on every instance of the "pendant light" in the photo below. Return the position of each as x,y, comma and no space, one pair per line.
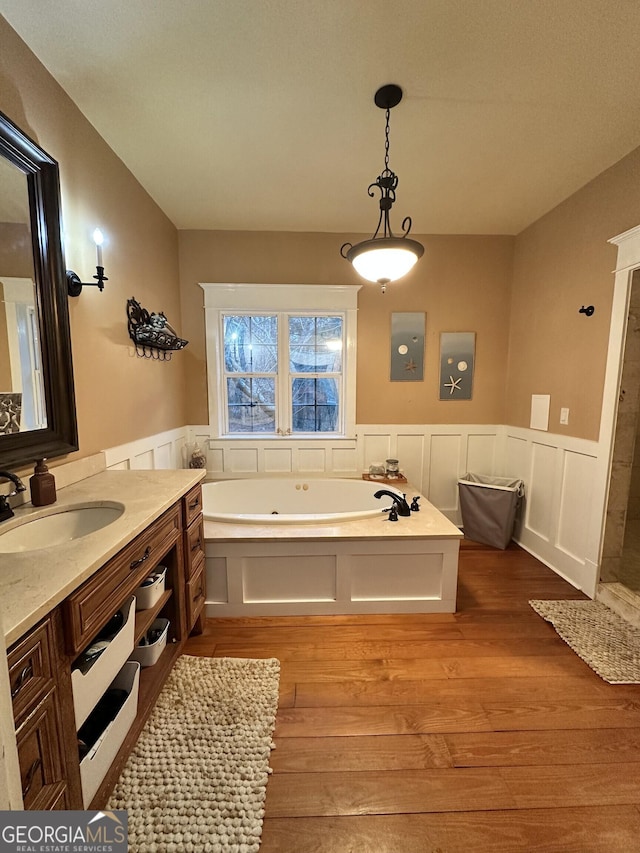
384,257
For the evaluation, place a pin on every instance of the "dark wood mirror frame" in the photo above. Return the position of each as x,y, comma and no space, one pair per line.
61,433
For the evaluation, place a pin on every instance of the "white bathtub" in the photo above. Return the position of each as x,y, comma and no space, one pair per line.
292,500
320,554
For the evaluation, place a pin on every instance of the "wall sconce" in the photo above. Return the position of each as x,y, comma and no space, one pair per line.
74,285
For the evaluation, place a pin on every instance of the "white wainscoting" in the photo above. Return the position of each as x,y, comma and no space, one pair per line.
562,495
559,474
432,457
554,524
164,450
279,456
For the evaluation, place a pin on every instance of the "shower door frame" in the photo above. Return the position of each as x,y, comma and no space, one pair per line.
628,261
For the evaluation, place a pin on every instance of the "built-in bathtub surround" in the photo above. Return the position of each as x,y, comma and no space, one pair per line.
559,473
365,565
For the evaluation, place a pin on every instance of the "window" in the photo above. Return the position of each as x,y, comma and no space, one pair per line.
281,373
251,372
315,373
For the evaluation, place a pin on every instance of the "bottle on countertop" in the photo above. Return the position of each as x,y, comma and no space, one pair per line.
42,485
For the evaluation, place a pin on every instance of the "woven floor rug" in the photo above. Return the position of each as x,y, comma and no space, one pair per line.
605,641
196,780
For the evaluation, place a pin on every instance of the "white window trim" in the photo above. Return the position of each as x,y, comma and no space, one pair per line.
269,298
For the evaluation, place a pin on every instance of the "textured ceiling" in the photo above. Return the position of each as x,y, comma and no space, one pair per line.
259,114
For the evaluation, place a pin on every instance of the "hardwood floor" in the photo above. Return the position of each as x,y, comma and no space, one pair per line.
475,731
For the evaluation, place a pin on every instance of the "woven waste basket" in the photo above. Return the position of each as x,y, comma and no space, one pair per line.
488,506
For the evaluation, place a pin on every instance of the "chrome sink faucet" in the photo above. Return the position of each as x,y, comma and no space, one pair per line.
5,510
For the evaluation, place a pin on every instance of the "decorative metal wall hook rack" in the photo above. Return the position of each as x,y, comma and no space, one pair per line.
152,334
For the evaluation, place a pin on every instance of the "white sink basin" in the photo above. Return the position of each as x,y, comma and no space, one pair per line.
57,526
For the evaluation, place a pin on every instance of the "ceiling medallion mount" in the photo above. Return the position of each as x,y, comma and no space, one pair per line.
384,257
387,97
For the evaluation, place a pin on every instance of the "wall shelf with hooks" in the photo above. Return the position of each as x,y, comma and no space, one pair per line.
152,334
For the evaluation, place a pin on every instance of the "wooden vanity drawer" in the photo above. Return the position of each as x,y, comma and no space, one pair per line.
195,546
41,766
192,503
89,608
196,593
31,670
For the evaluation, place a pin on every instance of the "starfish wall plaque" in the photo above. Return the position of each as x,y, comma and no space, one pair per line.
457,357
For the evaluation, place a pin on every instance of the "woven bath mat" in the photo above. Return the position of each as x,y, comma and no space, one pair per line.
605,641
196,779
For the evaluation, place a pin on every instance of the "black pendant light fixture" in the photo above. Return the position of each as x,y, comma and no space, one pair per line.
385,257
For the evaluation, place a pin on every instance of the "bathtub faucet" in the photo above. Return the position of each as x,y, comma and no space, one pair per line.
401,505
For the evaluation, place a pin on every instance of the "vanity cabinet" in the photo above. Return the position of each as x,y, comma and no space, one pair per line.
41,663
194,560
39,687
91,606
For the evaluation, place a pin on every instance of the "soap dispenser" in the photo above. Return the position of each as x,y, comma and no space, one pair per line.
42,485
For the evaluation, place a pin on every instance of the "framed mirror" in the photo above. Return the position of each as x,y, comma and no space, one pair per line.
37,400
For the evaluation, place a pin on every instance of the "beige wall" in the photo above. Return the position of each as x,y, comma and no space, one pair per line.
462,283
563,262
521,295
16,252
119,397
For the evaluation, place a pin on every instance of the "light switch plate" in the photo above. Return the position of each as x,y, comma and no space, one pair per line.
564,416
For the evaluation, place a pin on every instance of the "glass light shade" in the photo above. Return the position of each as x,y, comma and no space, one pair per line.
385,259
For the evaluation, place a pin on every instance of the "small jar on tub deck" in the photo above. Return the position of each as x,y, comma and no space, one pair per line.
393,468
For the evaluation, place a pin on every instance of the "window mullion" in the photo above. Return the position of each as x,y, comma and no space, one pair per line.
284,390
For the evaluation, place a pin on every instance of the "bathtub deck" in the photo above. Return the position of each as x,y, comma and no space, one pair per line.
366,565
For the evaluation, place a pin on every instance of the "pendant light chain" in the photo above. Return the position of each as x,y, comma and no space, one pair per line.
386,142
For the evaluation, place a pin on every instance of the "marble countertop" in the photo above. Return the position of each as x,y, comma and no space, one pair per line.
429,523
32,583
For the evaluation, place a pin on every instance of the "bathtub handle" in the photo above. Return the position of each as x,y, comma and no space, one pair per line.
143,559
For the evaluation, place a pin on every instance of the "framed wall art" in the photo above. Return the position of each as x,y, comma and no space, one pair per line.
457,356
407,346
